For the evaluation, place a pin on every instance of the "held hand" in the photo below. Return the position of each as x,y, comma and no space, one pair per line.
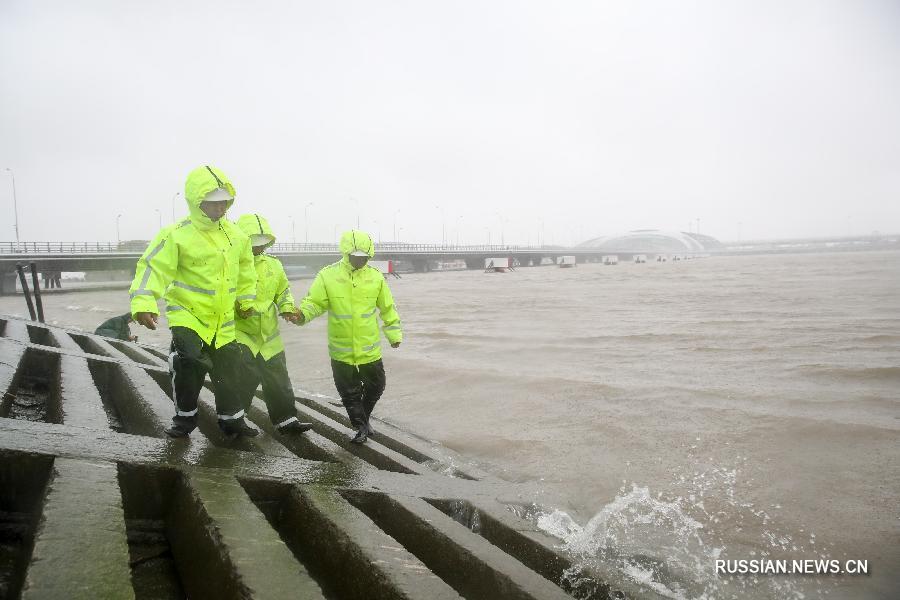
300,318
132,338
243,314
148,320
290,317
395,344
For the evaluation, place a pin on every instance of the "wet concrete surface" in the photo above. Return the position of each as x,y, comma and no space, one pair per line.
97,502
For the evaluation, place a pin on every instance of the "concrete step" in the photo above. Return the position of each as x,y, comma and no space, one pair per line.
81,549
96,501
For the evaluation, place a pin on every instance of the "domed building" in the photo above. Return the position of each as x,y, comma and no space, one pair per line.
654,241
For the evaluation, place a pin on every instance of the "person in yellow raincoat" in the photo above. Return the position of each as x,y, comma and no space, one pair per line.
350,291
258,335
203,268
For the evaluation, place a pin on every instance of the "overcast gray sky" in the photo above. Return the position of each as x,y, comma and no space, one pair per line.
479,118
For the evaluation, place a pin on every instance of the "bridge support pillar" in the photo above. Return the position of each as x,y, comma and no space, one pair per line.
7,283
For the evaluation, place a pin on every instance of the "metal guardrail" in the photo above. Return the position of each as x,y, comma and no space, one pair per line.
69,247
280,248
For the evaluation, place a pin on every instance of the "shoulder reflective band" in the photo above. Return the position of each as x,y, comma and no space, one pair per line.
232,290
391,327
339,348
272,337
367,315
173,308
246,297
371,346
227,324
337,316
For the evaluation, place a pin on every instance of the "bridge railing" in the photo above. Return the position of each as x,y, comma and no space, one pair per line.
280,248
70,247
402,247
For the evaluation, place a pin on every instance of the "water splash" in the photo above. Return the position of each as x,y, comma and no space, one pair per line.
668,544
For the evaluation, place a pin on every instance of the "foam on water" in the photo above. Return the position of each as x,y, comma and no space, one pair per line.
669,545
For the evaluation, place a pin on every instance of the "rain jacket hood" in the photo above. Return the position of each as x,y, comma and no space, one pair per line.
201,267
200,182
254,225
356,240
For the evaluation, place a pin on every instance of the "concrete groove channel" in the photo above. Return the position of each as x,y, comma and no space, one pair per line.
96,502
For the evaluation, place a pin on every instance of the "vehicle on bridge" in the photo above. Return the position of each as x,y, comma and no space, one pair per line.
497,265
566,262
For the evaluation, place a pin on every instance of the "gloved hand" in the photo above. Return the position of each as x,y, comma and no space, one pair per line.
395,344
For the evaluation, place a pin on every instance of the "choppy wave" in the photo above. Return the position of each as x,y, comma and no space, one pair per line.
93,309
881,338
853,374
669,545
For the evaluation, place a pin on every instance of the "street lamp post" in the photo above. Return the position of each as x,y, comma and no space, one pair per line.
396,212
159,214
357,211
118,236
15,206
306,221
443,225
502,229
173,205
293,230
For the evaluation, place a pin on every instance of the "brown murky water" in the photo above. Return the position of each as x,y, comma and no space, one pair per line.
665,415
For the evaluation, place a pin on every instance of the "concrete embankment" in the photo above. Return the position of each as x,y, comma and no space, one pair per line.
95,501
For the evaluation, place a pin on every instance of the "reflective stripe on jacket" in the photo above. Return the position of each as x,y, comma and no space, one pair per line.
199,266
273,296
351,297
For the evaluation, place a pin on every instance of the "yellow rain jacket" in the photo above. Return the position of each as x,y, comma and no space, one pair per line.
350,297
273,294
199,266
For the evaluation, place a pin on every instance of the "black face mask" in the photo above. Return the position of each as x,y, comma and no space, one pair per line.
358,262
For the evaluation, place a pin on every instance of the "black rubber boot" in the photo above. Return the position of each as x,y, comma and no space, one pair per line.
181,427
369,430
361,436
295,428
234,428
